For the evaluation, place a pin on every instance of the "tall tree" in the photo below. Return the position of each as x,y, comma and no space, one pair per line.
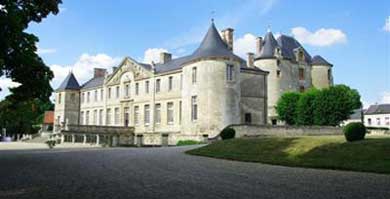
19,60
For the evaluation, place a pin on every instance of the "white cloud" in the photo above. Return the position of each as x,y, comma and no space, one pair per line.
244,44
42,51
153,54
83,67
385,97
6,83
321,37
386,27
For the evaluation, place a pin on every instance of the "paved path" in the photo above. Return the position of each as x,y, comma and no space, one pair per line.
168,173
29,145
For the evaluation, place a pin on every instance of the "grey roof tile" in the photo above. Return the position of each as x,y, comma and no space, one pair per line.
93,83
69,83
288,45
318,60
269,45
378,109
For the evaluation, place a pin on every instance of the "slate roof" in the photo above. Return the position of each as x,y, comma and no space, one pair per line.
318,60
69,83
93,83
378,109
269,45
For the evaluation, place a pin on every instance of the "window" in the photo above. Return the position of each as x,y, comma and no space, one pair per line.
301,89
194,108
278,62
100,117
81,118
329,74
59,98
369,121
116,116
87,118
88,96
158,113
108,117
101,95
95,97
147,114
170,83
229,72
248,118
147,87
301,74
193,75
277,73
387,121
127,90
301,56
136,115
109,93
378,121
158,85
170,112
136,88
181,81
94,117
82,97
117,92
180,112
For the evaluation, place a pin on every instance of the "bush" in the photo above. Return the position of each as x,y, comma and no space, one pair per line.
51,143
354,131
286,107
228,133
187,142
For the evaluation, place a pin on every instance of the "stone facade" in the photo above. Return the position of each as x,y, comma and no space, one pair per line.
192,97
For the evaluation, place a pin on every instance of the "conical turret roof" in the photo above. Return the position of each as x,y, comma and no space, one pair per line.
269,45
70,83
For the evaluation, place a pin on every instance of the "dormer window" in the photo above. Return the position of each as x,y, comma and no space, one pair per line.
278,52
301,56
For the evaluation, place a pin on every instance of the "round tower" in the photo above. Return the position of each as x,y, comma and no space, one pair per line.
67,103
321,72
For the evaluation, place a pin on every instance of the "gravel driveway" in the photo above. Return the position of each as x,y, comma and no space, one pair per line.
169,173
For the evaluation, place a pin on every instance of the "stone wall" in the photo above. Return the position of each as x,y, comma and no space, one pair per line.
243,130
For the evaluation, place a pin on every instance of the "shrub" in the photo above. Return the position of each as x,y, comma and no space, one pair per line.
354,131
187,142
286,107
228,133
51,143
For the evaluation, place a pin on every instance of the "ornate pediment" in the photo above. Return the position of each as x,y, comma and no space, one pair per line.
127,66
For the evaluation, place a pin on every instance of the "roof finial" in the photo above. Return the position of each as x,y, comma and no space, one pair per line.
212,16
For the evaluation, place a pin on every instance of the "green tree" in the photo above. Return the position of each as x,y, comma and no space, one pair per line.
286,107
19,60
335,104
306,106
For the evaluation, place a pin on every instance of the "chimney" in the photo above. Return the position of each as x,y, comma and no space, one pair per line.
251,60
165,57
227,36
99,72
259,45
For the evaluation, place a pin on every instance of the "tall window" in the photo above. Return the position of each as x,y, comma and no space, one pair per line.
109,93
378,121
193,75
101,95
157,114
87,118
95,97
170,112
158,85
127,90
136,115
170,83
248,118
136,88
116,116
59,98
387,121
117,92
194,108
81,118
369,121
147,114
147,87
82,97
88,96
108,117
180,110
100,117
94,117
181,81
301,74
278,73
229,72
329,74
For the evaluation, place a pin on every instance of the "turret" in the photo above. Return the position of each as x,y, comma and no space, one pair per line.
67,103
321,72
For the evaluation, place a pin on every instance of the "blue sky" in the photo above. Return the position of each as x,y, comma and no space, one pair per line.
89,33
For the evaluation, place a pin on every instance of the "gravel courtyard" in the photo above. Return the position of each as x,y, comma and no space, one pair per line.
169,173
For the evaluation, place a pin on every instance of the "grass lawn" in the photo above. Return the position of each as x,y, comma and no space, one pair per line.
330,152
